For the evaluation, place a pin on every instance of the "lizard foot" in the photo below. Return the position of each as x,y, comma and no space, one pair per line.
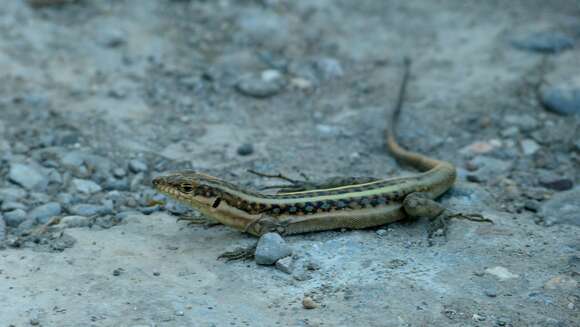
469,216
191,220
439,224
239,254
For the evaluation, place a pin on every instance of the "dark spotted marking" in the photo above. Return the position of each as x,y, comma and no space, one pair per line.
364,202
340,204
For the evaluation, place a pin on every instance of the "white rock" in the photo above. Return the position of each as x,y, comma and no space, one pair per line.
501,272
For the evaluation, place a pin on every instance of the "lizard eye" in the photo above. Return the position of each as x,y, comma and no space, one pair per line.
186,189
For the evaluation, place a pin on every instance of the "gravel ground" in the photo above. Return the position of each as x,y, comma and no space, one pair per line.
97,97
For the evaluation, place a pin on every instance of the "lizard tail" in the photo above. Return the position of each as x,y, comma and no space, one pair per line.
413,159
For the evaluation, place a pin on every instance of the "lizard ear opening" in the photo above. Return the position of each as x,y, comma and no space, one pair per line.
216,203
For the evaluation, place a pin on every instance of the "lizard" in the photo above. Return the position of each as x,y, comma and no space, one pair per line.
347,203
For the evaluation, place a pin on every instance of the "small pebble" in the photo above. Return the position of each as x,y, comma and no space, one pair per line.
312,265
522,122
262,86
87,210
501,273
150,209
478,148
562,282
308,303
503,321
119,172
564,100
85,186
557,184
15,217
245,149
285,265
11,205
14,194
271,248
490,292
328,68
529,147
562,208
75,221
43,213
137,166
381,232
544,42
28,176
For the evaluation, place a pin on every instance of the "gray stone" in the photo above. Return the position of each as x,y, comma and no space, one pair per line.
12,205
381,232
43,213
544,42
489,168
328,68
529,146
65,199
115,196
137,166
562,208
119,172
150,209
116,184
510,131
555,182
564,100
285,265
25,226
136,181
75,221
54,177
73,159
15,217
271,248
88,210
245,149
28,176
260,86
12,193
524,122
79,161
85,186
39,198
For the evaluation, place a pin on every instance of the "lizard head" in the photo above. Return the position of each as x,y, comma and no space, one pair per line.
197,189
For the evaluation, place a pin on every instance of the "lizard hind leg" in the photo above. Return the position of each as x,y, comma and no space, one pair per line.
420,205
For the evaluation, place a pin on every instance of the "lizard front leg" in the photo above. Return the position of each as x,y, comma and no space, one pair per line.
260,226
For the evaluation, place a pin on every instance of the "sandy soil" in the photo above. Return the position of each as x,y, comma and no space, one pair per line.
112,93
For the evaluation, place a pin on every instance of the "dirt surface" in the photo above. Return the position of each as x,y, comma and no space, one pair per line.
98,97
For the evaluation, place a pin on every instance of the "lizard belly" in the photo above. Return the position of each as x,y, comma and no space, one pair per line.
363,218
